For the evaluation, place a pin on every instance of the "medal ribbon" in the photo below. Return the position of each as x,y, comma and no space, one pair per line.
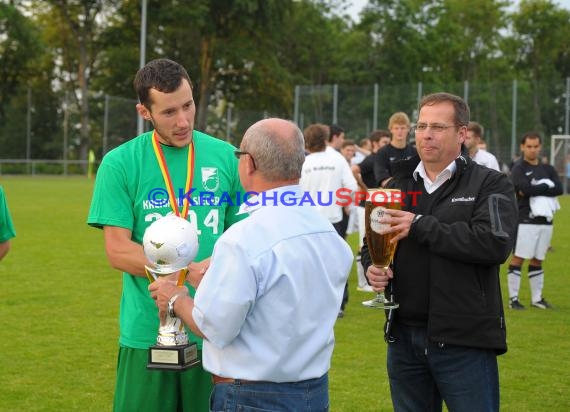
168,181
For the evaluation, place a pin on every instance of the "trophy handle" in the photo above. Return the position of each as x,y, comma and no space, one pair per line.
182,277
153,276
150,275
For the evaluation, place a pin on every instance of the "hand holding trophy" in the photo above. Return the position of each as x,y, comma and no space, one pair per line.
379,246
170,244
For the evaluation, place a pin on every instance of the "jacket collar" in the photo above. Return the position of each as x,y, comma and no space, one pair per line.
405,168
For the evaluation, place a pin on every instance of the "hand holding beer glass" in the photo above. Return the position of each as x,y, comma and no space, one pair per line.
379,246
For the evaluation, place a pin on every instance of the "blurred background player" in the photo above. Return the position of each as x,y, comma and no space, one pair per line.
536,186
324,172
7,231
473,141
398,149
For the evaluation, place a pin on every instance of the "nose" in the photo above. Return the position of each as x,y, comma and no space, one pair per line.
182,120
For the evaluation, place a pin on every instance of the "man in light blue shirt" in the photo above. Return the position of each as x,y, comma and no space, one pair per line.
267,305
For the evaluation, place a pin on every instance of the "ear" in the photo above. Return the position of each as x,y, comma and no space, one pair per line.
143,111
462,134
249,165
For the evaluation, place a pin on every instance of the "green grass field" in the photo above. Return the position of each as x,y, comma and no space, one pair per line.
59,305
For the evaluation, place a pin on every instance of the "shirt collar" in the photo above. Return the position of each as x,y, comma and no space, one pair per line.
445,174
258,200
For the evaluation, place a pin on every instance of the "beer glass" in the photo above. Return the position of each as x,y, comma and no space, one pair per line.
379,246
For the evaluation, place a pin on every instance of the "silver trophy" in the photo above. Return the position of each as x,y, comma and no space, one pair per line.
170,244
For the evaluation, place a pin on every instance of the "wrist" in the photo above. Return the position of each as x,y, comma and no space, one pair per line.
172,302
415,220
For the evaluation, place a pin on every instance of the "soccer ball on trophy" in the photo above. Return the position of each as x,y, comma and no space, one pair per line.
170,244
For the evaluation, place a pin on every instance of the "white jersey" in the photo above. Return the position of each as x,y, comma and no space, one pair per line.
484,158
323,174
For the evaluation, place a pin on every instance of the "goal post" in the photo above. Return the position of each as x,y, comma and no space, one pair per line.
560,158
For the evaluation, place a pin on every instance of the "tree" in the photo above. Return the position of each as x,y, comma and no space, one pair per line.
20,48
72,28
222,44
25,72
541,33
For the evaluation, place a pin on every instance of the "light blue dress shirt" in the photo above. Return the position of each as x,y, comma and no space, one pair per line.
269,301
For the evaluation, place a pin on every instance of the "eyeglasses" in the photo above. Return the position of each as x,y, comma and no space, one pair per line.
238,153
435,127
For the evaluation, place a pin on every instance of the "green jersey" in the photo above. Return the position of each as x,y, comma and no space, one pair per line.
7,231
130,192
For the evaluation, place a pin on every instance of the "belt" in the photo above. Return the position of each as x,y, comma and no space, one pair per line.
220,379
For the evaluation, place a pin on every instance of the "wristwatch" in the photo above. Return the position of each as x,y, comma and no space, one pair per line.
171,304
416,218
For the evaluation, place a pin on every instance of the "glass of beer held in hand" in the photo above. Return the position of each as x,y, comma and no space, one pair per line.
379,246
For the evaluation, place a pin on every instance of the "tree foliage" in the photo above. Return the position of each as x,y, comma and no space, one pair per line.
250,55
20,49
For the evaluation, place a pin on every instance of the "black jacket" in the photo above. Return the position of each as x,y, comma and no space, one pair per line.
446,271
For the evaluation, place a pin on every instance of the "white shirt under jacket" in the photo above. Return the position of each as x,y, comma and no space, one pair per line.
322,175
269,300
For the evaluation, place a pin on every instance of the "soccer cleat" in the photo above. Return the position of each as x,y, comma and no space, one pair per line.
542,304
515,304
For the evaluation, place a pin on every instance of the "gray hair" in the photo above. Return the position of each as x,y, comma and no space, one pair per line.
277,148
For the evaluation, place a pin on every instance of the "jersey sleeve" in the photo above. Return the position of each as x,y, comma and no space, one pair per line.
111,204
7,231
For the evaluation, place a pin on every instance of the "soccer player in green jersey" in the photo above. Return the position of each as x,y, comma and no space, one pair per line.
173,168
7,231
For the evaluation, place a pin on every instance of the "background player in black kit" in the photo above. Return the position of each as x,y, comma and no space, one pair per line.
536,185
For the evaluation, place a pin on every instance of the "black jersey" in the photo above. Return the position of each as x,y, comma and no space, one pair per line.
388,155
524,177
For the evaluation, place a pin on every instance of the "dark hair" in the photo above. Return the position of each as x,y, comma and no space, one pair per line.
335,130
476,128
348,143
163,75
316,136
531,135
377,134
462,112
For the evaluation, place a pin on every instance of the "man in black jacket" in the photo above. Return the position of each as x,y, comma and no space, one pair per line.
453,233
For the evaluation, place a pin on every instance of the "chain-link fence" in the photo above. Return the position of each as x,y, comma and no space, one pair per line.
29,146
41,133
505,109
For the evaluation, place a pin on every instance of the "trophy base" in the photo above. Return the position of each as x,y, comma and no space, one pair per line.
174,358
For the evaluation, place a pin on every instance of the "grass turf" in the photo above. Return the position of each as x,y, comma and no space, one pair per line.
59,303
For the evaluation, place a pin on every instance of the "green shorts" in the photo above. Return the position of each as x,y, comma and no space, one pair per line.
139,389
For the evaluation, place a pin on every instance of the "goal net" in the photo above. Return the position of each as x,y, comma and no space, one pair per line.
560,158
